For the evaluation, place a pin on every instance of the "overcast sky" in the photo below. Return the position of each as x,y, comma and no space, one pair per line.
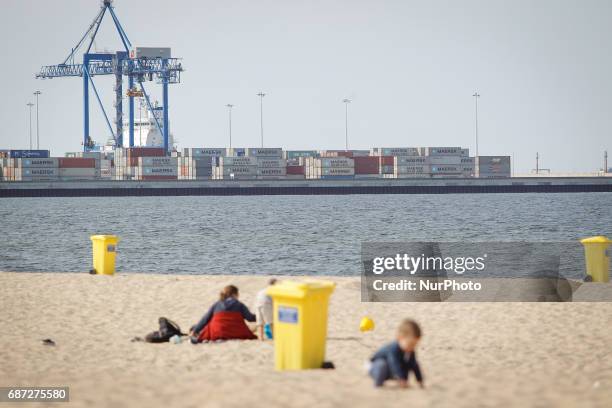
543,68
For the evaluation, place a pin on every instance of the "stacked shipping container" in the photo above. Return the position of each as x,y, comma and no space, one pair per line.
270,163
493,167
128,165
50,169
329,167
252,163
236,167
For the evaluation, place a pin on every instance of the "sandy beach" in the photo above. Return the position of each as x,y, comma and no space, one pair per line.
472,354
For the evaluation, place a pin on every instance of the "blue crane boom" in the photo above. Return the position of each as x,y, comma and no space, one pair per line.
163,69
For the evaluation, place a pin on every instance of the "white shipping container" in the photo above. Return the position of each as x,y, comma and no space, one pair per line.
395,151
242,170
443,160
238,161
446,169
442,151
331,162
272,171
78,172
205,151
334,171
157,161
35,172
265,162
409,160
155,171
411,170
273,152
46,163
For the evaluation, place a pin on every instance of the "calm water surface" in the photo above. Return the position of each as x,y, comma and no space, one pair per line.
277,234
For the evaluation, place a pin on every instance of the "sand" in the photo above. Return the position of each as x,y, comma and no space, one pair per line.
472,354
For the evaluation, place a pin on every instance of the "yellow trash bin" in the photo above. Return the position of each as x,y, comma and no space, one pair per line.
300,323
104,250
597,258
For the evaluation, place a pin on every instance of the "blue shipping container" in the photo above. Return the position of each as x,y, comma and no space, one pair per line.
30,154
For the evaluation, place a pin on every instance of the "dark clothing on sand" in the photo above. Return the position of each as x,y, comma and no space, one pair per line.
392,362
228,305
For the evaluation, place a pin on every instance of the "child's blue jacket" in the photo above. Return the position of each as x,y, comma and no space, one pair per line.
400,363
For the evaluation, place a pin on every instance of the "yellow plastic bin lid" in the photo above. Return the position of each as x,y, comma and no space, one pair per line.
299,290
600,239
104,237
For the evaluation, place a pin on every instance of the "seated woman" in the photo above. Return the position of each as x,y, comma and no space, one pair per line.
225,319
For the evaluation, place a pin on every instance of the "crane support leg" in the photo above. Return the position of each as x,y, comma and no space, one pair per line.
119,104
86,138
165,102
131,102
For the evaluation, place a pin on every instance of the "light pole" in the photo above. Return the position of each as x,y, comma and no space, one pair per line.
346,102
261,96
29,105
37,127
476,96
229,108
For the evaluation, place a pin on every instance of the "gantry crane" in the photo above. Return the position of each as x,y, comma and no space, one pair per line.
137,66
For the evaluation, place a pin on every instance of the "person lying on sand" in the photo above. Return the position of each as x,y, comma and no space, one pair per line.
224,320
397,359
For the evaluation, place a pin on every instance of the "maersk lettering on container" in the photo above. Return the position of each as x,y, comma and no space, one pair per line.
272,171
157,161
395,151
238,161
35,171
276,152
265,162
337,171
243,170
205,151
159,171
335,162
51,162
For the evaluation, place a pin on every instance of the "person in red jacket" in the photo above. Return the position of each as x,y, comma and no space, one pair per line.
225,319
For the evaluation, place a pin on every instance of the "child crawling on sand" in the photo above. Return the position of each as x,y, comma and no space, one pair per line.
397,359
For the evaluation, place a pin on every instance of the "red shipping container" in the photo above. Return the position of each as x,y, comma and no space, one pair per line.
367,165
145,152
295,170
345,154
386,160
72,162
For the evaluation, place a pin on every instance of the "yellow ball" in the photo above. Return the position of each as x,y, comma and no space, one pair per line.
366,324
